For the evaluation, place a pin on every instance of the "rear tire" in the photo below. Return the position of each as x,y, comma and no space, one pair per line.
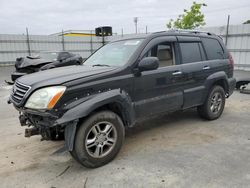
98,139
214,104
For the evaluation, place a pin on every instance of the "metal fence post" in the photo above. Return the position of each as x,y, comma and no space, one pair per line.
28,41
91,43
63,45
103,40
228,19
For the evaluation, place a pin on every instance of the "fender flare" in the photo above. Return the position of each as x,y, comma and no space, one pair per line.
85,108
112,96
213,78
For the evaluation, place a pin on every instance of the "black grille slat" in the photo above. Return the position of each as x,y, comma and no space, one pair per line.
22,90
19,94
18,97
19,91
22,87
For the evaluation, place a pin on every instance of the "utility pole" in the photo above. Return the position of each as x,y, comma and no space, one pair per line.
136,21
228,20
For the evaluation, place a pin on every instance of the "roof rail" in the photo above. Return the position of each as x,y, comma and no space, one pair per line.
190,31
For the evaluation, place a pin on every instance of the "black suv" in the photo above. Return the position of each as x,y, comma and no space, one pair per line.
122,83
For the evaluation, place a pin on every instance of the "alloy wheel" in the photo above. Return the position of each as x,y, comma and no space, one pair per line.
101,139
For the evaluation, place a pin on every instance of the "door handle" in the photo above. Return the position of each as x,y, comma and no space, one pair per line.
206,68
176,73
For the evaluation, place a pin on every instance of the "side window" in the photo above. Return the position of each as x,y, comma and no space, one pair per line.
190,52
202,52
63,55
213,48
164,52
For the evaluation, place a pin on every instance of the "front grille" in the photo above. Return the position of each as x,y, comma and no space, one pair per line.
19,90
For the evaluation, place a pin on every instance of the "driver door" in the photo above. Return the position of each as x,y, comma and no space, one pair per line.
159,90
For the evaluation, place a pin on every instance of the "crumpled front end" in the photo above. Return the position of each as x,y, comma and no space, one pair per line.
41,122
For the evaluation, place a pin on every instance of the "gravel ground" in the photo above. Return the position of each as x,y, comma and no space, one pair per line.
176,150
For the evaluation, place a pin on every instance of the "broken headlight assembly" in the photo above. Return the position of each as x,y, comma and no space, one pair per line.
45,98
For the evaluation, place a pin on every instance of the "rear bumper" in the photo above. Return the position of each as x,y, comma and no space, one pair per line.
16,75
231,85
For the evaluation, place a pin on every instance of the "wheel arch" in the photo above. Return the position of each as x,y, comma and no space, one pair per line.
218,78
117,101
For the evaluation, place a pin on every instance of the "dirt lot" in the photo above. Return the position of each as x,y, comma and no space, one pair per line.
178,150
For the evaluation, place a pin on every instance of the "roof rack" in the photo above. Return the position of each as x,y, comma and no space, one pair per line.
190,31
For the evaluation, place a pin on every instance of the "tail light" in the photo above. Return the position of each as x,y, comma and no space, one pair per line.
231,61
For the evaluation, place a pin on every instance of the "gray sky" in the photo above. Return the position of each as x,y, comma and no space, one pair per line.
51,16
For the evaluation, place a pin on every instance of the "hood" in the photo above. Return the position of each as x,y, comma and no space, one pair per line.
30,61
61,75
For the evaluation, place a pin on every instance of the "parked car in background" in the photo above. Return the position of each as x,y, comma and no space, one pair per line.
44,61
121,84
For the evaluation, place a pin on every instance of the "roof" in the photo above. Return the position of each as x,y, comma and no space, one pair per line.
175,32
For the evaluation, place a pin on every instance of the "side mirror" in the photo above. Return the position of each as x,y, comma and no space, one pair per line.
148,63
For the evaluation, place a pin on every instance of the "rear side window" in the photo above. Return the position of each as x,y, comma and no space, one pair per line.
213,48
190,52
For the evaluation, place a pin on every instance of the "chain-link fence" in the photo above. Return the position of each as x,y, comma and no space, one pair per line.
13,46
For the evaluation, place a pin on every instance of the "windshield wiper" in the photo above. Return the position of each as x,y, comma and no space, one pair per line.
100,65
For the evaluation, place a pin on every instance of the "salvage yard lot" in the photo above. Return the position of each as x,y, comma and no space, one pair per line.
177,150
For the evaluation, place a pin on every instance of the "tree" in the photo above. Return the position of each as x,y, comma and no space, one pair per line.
190,19
247,22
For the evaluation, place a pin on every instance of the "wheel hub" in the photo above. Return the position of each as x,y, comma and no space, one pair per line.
216,103
101,139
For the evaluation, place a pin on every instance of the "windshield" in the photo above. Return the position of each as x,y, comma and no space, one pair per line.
114,54
48,55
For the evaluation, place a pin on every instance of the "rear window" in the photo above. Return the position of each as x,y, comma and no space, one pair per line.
190,52
213,48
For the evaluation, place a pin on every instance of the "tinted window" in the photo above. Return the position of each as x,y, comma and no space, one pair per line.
114,53
202,51
164,52
63,55
213,48
190,52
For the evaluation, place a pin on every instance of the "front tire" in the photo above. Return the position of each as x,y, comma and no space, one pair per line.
98,139
214,105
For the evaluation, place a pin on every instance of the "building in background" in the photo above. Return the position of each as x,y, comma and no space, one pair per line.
75,33
99,31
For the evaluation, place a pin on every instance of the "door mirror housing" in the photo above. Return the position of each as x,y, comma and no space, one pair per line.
148,63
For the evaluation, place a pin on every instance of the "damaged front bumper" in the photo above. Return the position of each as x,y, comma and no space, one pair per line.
45,124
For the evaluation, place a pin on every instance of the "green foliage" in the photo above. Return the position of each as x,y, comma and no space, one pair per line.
247,22
190,19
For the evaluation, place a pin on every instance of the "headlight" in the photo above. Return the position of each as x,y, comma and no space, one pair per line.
45,98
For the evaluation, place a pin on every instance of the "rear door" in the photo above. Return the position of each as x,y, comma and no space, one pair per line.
216,55
195,69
